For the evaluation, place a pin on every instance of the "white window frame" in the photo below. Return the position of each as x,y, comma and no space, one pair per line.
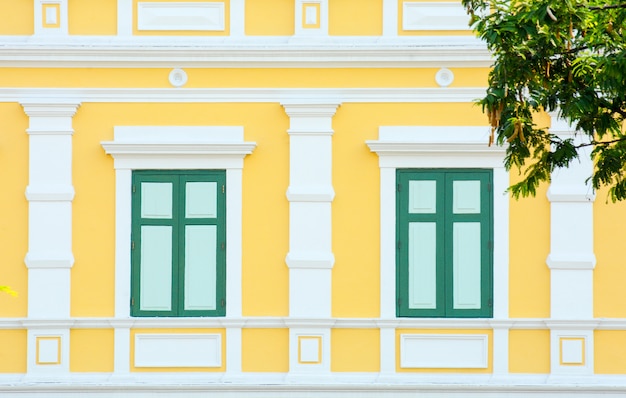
177,148
441,147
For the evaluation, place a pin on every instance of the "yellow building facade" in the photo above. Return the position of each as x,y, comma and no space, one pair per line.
284,198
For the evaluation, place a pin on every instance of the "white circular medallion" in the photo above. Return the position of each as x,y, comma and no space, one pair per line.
444,77
178,77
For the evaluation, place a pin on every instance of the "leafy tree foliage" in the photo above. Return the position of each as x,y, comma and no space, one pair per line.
6,289
556,55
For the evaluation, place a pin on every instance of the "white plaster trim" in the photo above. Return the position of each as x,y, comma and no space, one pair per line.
418,16
572,260
40,29
237,18
249,52
46,369
125,18
49,193
572,193
188,16
310,260
390,18
57,259
178,350
28,96
321,19
310,193
444,351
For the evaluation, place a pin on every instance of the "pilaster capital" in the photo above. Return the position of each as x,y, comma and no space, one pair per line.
64,108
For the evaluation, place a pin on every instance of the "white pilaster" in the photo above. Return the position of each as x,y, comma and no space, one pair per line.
390,18
310,258
124,17
237,18
571,259
311,18
49,258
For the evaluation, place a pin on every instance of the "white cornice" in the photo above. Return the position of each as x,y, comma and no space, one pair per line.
249,52
253,95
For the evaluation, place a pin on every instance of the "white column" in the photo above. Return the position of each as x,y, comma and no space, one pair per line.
237,18
49,258
310,258
390,18
124,17
571,260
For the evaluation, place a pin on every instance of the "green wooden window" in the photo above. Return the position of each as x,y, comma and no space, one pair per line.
444,247
178,243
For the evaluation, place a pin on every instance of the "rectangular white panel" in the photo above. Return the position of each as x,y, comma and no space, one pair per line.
156,200
422,265
178,350
201,200
200,267
434,16
422,197
194,16
466,197
447,351
466,265
156,268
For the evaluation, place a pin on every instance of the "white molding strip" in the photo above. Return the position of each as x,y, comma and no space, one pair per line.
282,95
243,52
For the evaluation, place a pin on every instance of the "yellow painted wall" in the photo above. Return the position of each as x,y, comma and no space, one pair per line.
529,351
265,207
355,17
609,295
489,333
265,350
13,351
18,17
270,17
133,332
609,351
356,207
529,237
13,208
225,32
93,17
355,350
91,350
231,77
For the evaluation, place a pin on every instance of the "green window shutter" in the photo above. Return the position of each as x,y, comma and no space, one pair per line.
444,226
178,243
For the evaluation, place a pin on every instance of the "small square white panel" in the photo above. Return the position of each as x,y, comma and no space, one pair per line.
310,14
310,349
51,14
48,350
572,351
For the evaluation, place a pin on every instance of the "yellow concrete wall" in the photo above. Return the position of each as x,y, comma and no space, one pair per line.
93,17
529,351
265,350
270,17
91,350
13,351
355,350
13,208
609,351
17,17
355,17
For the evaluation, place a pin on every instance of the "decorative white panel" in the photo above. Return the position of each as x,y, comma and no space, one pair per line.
311,18
201,200
466,265
422,197
445,351
156,200
50,17
309,349
422,265
572,351
178,350
156,268
434,16
466,197
200,267
193,16
48,350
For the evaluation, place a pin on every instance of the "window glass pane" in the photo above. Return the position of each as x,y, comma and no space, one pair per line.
201,200
200,267
156,268
422,265
466,265
156,200
422,197
466,197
